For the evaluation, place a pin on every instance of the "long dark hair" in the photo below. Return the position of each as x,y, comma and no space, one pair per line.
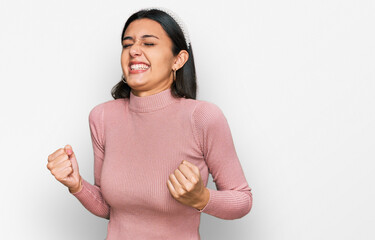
185,84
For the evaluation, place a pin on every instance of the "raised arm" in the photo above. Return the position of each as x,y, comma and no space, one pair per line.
233,197
90,195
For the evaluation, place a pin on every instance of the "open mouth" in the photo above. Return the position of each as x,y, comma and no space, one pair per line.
138,67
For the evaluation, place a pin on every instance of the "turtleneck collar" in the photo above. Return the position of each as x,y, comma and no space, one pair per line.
152,102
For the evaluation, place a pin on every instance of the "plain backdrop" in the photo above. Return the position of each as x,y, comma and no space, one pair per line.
295,80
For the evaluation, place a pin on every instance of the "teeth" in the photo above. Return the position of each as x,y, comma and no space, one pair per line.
139,66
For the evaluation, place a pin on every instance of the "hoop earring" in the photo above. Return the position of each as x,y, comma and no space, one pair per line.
174,75
123,79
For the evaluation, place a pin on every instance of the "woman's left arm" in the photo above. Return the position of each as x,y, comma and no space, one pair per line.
233,197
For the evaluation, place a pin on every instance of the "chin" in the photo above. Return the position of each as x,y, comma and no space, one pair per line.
137,84
136,80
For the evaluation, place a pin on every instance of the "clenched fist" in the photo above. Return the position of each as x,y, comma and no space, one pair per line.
63,165
186,186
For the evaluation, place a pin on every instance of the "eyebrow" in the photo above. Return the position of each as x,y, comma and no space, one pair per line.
144,36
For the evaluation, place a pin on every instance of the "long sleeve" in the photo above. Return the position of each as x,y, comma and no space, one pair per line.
233,197
90,195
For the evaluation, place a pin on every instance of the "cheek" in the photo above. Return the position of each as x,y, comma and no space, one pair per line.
162,62
124,61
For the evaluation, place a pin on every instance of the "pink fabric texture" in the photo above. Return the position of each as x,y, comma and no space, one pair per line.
138,142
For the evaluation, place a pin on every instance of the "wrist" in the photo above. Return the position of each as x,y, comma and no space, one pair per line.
205,198
77,188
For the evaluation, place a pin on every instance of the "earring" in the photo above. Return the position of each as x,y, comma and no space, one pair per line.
123,79
174,74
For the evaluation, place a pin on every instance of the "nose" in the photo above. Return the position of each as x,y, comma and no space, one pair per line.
135,50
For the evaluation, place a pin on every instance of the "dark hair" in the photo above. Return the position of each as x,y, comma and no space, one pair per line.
185,84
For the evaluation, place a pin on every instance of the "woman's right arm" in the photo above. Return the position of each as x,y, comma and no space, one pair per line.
90,195
63,165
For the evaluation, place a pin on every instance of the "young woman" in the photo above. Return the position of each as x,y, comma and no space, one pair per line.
154,144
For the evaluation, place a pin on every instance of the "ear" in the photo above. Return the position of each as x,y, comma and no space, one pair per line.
180,59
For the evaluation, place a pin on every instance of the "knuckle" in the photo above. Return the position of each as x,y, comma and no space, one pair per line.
194,180
65,156
58,178
180,167
181,192
189,188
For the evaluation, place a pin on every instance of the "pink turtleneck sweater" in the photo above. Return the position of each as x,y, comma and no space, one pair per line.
138,142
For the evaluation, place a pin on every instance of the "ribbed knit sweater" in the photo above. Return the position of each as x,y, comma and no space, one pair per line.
138,142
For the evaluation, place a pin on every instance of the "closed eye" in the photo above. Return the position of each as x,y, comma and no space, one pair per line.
146,44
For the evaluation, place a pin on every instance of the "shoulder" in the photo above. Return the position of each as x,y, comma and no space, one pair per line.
206,114
208,122
207,109
199,107
98,110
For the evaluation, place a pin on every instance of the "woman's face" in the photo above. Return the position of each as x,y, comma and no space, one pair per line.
147,59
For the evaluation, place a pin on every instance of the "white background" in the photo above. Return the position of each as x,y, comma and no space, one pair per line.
295,80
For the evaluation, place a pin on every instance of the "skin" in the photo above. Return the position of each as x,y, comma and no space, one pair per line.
185,183
186,186
63,165
159,56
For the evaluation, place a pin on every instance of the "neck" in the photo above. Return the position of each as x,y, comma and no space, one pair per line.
144,93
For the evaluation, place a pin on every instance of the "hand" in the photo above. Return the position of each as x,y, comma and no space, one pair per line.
63,165
186,186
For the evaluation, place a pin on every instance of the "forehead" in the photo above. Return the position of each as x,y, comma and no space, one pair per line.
141,27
